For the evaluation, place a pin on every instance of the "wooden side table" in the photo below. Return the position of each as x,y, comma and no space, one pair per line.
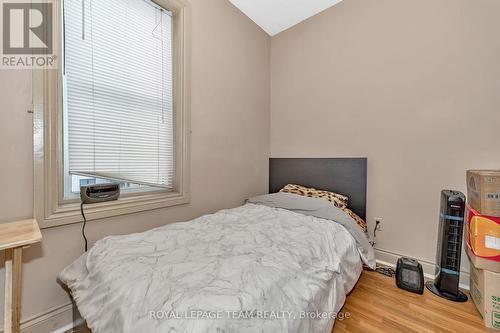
14,236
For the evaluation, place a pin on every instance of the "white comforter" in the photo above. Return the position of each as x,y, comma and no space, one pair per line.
248,269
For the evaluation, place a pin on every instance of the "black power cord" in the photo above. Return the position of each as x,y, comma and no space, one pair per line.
83,227
387,271
372,243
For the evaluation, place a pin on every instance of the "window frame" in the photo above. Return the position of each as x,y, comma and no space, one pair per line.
50,207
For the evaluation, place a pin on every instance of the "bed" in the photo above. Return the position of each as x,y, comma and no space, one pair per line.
278,263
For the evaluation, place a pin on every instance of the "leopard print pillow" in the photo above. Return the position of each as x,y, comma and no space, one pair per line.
338,200
359,220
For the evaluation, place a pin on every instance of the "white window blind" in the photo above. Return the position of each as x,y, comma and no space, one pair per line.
118,90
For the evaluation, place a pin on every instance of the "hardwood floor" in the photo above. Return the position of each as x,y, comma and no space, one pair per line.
376,305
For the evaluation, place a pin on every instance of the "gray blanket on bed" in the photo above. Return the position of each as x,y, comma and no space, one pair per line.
322,209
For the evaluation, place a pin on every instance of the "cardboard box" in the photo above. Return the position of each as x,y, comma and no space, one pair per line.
485,292
482,263
483,191
482,235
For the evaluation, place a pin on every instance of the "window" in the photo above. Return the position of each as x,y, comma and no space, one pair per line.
117,97
117,110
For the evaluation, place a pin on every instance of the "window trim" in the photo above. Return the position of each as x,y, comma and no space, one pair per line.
49,207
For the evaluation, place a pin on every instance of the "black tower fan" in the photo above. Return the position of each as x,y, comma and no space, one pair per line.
451,226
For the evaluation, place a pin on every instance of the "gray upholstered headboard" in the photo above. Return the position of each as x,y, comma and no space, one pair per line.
342,175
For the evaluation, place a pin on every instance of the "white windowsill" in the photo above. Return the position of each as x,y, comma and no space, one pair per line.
69,213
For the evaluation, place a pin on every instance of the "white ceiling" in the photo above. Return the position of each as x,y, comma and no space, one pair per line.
275,16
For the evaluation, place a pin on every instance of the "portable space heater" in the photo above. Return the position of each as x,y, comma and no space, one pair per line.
451,225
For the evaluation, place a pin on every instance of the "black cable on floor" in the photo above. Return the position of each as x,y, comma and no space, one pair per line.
387,271
83,227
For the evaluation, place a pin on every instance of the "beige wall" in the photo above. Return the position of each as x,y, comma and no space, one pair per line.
229,145
404,83
412,85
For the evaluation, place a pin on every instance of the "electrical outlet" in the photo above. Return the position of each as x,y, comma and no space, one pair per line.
378,223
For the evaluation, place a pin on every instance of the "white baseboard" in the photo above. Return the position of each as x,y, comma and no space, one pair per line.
64,328
390,259
55,320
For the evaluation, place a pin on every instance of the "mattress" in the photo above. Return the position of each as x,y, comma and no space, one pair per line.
254,268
